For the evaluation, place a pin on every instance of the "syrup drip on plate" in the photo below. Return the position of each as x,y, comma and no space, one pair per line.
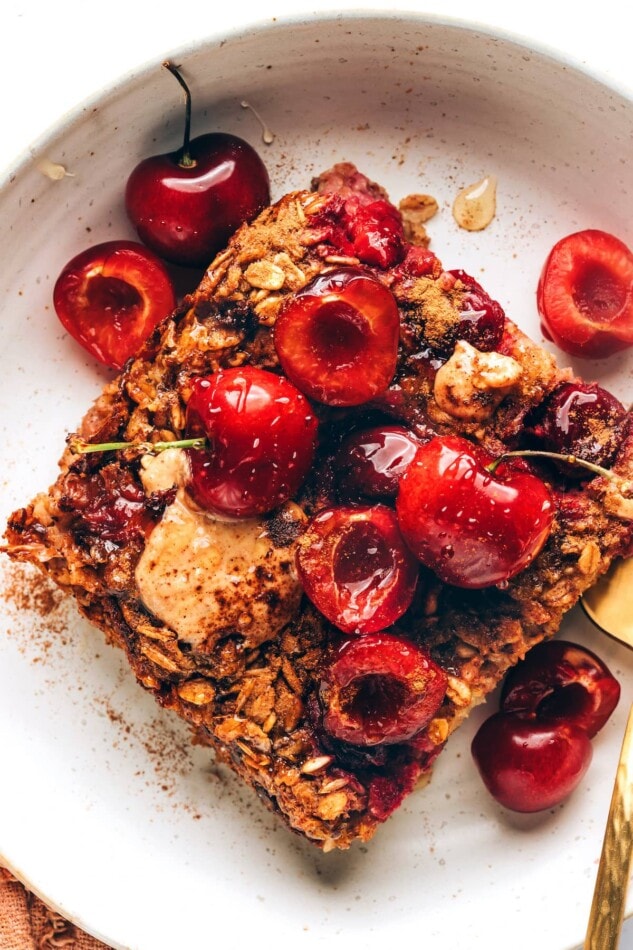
268,137
475,205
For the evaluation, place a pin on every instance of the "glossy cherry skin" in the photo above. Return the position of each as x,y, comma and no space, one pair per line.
471,528
337,338
561,682
370,462
530,766
376,232
187,213
585,294
380,689
111,297
355,567
482,318
262,437
581,419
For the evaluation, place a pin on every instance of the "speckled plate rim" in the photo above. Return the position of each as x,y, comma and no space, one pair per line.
137,75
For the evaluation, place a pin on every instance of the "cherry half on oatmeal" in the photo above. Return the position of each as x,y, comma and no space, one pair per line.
585,294
337,338
355,567
380,688
261,437
111,297
472,528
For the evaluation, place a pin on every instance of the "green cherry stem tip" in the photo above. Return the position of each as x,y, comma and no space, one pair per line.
80,447
556,456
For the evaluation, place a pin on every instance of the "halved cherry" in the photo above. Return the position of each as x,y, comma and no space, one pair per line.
355,567
370,462
380,688
337,338
585,294
471,527
111,297
262,435
559,681
530,766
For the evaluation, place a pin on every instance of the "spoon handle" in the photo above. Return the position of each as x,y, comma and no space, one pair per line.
609,896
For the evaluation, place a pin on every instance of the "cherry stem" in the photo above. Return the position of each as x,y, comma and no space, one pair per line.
184,155
556,456
79,447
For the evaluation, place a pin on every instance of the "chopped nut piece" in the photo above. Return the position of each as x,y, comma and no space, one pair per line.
416,210
471,384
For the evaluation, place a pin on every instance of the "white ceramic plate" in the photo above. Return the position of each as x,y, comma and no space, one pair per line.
105,810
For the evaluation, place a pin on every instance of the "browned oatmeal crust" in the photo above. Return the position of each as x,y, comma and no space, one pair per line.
252,696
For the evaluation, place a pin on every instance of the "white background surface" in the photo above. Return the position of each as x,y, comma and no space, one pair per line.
58,54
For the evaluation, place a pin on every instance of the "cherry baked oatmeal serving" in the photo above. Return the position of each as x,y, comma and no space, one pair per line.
334,498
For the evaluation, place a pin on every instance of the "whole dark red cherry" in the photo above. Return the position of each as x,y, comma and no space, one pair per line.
581,419
185,205
261,434
530,766
355,567
472,528
337,338
559,681
370,462
380,688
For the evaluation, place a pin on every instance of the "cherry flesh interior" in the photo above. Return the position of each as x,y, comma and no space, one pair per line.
337,338
585,294
559,681
355,567
111,297
380,688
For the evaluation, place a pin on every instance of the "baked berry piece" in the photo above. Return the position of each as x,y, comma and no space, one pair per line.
326,668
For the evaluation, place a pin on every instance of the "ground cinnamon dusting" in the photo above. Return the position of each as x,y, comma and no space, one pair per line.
38,609
437,304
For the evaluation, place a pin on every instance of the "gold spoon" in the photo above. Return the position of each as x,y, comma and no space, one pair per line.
609,896
609,603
